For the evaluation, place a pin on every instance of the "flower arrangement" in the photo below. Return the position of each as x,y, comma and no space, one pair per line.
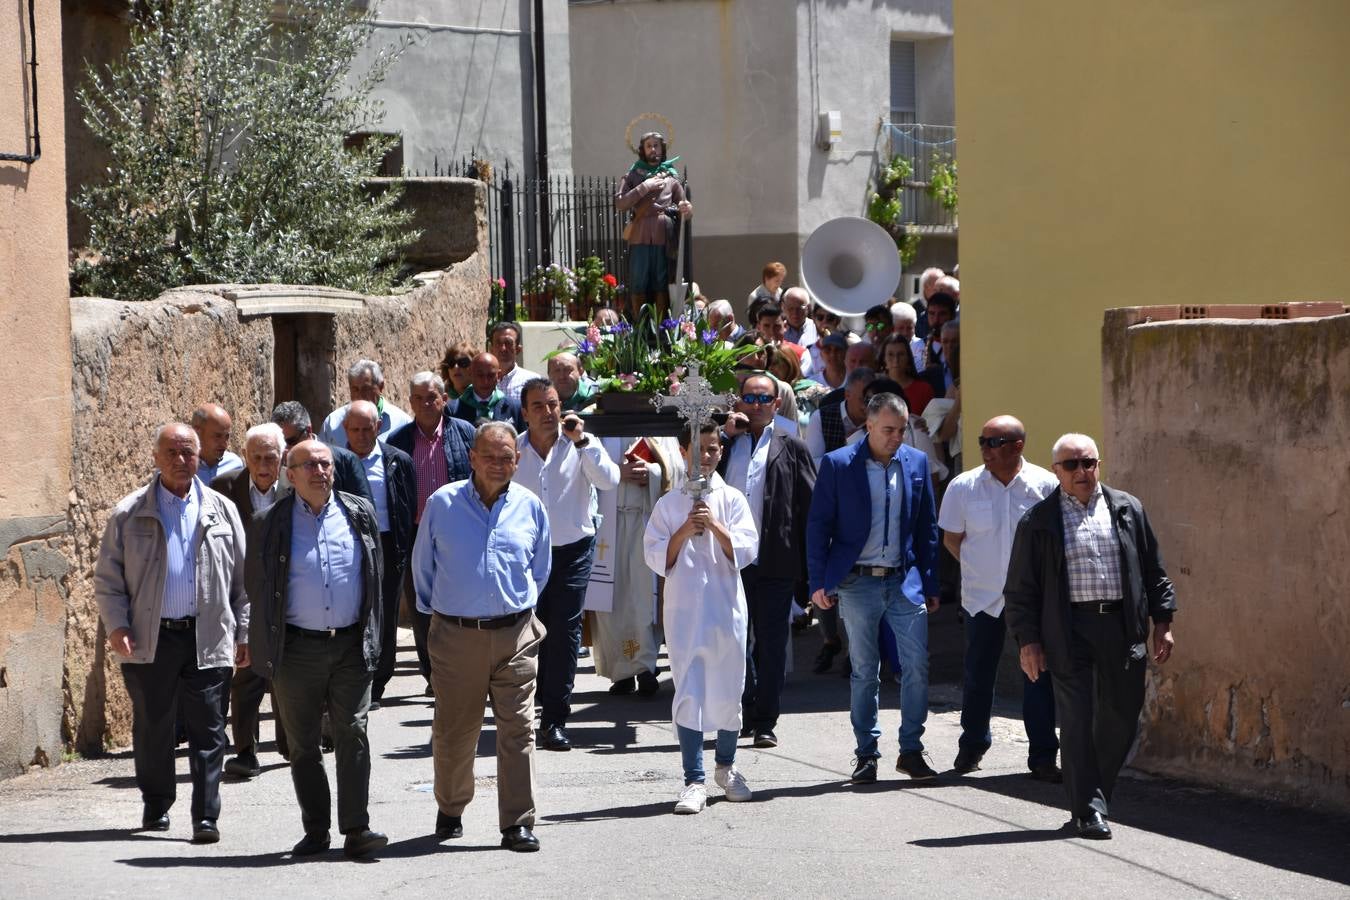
554,279
595,286
652,355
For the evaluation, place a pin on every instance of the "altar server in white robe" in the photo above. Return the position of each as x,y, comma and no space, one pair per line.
701,548
625,634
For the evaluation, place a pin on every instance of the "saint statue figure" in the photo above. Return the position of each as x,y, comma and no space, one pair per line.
652,191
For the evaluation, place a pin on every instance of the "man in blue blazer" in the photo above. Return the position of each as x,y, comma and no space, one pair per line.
871,546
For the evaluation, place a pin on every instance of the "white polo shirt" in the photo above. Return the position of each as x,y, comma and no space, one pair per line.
987,513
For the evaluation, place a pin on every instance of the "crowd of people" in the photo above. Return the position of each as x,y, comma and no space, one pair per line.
833,490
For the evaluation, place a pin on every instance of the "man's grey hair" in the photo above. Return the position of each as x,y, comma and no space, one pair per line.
1073,438
267,431
722,309
428,379
903,312
860,375
364,367
949,285
292,413
954,326
932,273
505,428
886,403
161,430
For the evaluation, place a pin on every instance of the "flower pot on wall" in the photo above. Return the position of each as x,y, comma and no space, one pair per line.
538,307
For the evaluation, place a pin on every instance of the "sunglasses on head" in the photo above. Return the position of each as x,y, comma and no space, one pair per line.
1071,465
993,443
463,362
753,399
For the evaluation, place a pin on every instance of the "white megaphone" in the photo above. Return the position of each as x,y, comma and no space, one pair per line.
850,264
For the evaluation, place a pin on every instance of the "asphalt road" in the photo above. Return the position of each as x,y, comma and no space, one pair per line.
607,829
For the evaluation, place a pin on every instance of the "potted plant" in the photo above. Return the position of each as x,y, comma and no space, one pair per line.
594,287
546,286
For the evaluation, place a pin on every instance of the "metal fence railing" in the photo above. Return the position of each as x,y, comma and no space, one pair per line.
921,144
533,222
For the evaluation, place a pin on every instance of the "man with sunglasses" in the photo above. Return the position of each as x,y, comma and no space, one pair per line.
775,472
1084,578
979,515
314,568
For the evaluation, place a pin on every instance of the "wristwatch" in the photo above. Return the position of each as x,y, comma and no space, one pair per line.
584,442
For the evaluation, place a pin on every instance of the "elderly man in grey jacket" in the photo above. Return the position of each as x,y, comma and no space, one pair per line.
169,583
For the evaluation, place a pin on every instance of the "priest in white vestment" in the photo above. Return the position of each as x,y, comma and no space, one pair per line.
700,548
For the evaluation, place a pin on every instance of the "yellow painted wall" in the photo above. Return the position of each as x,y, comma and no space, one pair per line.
1135,152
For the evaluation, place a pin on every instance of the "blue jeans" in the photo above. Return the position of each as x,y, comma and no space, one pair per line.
691,751
984,646
864,602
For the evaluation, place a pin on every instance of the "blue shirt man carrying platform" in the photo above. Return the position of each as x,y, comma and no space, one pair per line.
879,565
481,558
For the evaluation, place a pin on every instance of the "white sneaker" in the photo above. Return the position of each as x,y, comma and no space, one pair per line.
730,779
692,800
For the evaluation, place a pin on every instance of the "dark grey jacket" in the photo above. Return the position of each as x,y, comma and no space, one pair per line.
1037,588
267,568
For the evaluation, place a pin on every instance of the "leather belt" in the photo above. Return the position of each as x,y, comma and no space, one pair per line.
183,624
485,624
322,632
1100,607
878,571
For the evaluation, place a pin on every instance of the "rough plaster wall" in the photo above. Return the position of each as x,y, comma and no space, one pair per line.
136,366
1234,435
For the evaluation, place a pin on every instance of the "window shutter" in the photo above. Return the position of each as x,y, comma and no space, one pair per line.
903,91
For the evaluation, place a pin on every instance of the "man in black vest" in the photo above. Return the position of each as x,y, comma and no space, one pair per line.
775,472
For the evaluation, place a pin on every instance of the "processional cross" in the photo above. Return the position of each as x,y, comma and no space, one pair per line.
695,403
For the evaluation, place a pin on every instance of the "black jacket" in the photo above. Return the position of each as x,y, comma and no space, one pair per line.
400,489
1037,588
348,473
266,573
457,439
789,479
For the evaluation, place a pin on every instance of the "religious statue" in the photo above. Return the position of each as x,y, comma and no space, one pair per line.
651,190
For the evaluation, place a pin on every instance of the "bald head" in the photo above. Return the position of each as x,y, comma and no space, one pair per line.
310,467
1001,442
176,449
212,424
483,374
362,425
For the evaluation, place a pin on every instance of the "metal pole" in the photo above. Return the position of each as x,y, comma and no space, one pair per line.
541,135
508,232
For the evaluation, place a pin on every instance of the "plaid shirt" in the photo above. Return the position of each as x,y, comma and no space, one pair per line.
1091,551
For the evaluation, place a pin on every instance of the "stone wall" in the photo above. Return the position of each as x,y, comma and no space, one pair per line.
1234,435
137,365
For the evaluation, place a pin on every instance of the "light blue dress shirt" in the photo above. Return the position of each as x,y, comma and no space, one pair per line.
887,487
323,586
229,462
374,464
179,517
477,562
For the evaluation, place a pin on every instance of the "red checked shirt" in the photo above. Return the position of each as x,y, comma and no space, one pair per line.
428,464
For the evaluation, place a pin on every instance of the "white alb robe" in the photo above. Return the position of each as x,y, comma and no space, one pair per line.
705,614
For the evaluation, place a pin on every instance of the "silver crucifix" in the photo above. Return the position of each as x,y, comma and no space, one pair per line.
695,403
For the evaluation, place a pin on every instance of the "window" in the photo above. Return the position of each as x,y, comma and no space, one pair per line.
904,101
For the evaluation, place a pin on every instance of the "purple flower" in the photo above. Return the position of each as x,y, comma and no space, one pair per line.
670,324
709,335
621,328
586,348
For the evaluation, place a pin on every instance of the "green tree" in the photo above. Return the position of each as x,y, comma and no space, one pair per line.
225,121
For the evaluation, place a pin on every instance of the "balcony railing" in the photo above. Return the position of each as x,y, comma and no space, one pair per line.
920,144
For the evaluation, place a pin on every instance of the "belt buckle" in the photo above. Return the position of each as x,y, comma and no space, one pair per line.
331,631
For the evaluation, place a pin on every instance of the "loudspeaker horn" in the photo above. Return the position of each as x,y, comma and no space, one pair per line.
850,264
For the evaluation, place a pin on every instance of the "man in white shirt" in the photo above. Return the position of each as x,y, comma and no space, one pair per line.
562,465
506,345
365,381
979,517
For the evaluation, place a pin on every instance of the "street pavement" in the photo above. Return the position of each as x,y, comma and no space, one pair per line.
607,830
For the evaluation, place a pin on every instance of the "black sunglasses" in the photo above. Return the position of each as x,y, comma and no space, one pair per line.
993,443
463,362
1071,465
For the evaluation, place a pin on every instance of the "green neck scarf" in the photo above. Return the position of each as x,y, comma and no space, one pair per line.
665,168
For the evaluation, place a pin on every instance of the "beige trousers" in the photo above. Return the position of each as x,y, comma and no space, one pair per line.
466,666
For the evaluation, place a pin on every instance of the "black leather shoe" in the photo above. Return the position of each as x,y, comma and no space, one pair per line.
1094,827
765,739
520,839
151,822
623,686
312,843
363,842
1049,773
448,826
204,831
864,772
245,765
648,684
747,731
915,766
825,658
555,738
967,761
